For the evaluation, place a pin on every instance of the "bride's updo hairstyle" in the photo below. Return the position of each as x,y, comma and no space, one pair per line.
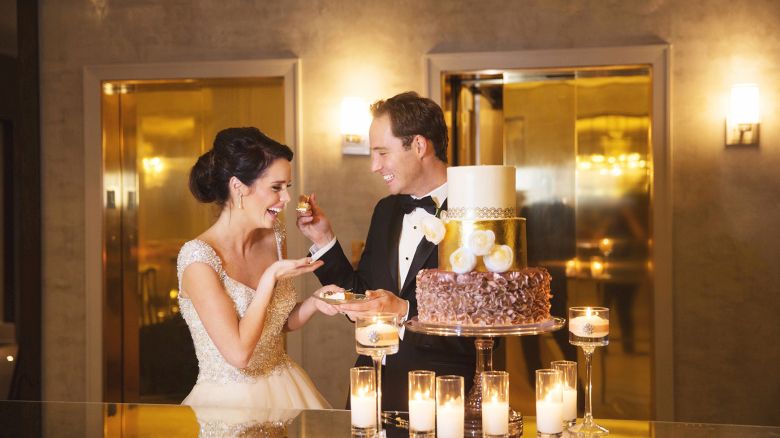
244,153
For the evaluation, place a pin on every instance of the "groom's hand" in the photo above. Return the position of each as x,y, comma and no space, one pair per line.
381,301
314,224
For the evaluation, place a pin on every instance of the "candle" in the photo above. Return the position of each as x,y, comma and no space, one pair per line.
495,403
568,371
422,413
569,404
422,402
495,417
596,267
449,419
589,325
378,334
363,407
362,398
549,418
549,401
572,267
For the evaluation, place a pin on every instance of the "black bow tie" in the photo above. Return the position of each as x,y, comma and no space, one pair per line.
408,204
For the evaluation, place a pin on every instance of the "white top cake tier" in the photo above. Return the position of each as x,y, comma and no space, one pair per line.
481,192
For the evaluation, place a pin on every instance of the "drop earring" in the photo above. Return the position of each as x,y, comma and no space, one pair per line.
240,200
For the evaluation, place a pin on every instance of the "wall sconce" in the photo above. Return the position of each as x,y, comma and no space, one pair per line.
355,121
742,121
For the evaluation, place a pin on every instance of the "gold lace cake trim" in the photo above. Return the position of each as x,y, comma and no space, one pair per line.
481,213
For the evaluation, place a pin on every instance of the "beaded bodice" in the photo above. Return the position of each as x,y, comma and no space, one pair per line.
269,354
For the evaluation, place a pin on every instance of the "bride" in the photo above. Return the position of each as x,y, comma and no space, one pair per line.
236,290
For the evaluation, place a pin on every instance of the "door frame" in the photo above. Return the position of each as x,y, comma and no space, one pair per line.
288,68
659,57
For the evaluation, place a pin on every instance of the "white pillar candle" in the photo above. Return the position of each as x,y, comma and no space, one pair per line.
363,409
495,417
549,416
449,419
422,414
589,326
569,404
378,335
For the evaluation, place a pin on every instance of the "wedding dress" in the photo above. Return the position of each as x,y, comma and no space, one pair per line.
271,380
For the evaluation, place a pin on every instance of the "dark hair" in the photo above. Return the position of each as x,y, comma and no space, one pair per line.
241,152
412,115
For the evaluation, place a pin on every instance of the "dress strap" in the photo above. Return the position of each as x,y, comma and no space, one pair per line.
198,251
281,239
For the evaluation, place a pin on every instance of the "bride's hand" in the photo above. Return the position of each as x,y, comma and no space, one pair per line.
291,268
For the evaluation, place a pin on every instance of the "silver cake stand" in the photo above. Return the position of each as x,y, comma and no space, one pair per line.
484,345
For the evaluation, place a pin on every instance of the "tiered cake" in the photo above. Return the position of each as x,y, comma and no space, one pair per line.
483,278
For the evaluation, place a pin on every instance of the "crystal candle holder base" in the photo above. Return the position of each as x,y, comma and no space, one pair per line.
549,435
363,432
418,434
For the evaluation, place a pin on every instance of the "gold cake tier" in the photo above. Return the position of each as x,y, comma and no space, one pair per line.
510,232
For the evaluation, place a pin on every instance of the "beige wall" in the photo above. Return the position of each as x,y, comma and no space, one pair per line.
725,201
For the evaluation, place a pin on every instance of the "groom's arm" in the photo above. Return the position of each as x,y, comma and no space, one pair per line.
337,268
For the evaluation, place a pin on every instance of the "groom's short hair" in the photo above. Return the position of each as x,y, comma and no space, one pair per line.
410,115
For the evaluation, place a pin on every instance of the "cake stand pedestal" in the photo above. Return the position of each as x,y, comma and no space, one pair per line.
484,345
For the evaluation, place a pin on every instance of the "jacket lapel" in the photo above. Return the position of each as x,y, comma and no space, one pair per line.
424,251
393,237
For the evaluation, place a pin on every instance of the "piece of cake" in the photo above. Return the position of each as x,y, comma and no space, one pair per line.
483,278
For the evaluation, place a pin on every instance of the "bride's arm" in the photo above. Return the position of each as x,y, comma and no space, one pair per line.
304,310
235,338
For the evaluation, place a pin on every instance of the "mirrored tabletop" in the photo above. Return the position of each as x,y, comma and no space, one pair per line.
70,419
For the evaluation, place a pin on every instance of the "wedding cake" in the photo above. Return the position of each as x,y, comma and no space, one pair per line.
483,278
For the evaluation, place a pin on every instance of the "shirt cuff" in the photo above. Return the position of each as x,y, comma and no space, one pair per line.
316,253
402,330
405,317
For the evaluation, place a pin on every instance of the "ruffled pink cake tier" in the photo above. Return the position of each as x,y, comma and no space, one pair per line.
483,298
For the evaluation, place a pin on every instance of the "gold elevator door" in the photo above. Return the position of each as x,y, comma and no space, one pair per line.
153,132
579,139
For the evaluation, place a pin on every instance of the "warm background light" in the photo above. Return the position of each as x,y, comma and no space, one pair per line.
743,106
355,118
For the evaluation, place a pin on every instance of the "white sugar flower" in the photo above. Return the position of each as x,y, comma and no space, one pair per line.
433,228
463,260
499,259
481,241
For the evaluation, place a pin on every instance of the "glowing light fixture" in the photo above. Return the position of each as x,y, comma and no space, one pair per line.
742,121
355,121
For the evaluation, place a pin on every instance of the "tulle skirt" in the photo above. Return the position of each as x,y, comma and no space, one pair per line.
288,387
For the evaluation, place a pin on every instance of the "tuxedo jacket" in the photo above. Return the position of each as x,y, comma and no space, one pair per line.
378,269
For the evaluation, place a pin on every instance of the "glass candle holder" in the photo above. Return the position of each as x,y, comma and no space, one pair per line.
549,403
589,326
588,329
568,371
362,397
495,404
422,404
449,407
377,334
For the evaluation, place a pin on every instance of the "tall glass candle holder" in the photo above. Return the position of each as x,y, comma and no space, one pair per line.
376,335
569,383
362,397
422,404
588,329
495,404
449,407
549,403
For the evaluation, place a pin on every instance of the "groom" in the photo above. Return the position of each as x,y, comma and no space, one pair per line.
408,138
